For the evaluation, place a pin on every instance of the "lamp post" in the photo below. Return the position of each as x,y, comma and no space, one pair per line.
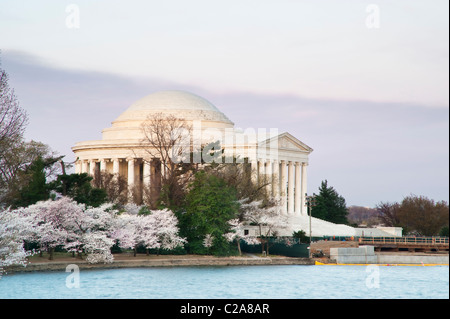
310,202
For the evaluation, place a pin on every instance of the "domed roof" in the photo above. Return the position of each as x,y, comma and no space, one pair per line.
165,100
181,104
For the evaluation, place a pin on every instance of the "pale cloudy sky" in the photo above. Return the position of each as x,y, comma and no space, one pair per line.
371,102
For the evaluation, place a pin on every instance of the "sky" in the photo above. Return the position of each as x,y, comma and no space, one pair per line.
364,83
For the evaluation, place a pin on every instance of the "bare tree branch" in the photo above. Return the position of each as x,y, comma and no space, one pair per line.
167,138
13,119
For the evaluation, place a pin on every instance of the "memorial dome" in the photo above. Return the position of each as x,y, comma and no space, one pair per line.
125,150
181,104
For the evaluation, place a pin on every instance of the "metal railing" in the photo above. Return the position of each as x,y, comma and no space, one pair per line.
405,240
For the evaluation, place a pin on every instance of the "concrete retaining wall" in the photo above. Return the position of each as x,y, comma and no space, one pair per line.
404,259
366,255
360,255
161,262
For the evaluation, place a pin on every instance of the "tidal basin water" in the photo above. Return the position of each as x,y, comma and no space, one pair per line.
242,282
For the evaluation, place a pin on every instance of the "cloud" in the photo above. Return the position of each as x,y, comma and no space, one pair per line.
368,151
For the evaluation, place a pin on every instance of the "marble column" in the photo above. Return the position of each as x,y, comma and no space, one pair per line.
304,189
268,177
283,185
254,171
84,166
146,173
116,166
298,190
92,165
261,171
163,170
276,179
78,167
290,187
130,172
102,165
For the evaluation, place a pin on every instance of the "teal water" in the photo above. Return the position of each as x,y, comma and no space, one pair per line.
246,282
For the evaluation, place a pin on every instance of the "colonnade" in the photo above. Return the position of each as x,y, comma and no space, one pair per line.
134,169
285,180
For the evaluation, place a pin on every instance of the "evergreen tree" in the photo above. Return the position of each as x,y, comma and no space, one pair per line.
329,205
210,204
78,187
444,231
35,189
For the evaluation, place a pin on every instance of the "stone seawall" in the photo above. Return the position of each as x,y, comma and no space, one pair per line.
163,262
412,259
367,255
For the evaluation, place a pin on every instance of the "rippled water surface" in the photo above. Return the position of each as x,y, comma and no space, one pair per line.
271,282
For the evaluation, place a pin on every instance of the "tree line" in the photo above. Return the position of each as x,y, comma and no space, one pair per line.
417,215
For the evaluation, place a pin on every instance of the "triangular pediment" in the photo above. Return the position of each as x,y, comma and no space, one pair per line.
286,141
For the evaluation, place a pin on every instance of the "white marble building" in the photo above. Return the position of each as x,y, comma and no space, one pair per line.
281,158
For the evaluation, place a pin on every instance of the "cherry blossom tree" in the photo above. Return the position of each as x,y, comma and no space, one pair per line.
158,229
125,231
97,245
132,208
268,217
94,233
237,234
166,224
13,228
48,219
82,229
208,241
66,223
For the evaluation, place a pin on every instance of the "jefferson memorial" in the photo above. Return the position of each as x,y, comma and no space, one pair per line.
280,160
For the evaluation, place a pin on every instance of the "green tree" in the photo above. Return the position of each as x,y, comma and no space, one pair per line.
444,231
17,165
301,235
329,205
210,204
35,189
79,187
